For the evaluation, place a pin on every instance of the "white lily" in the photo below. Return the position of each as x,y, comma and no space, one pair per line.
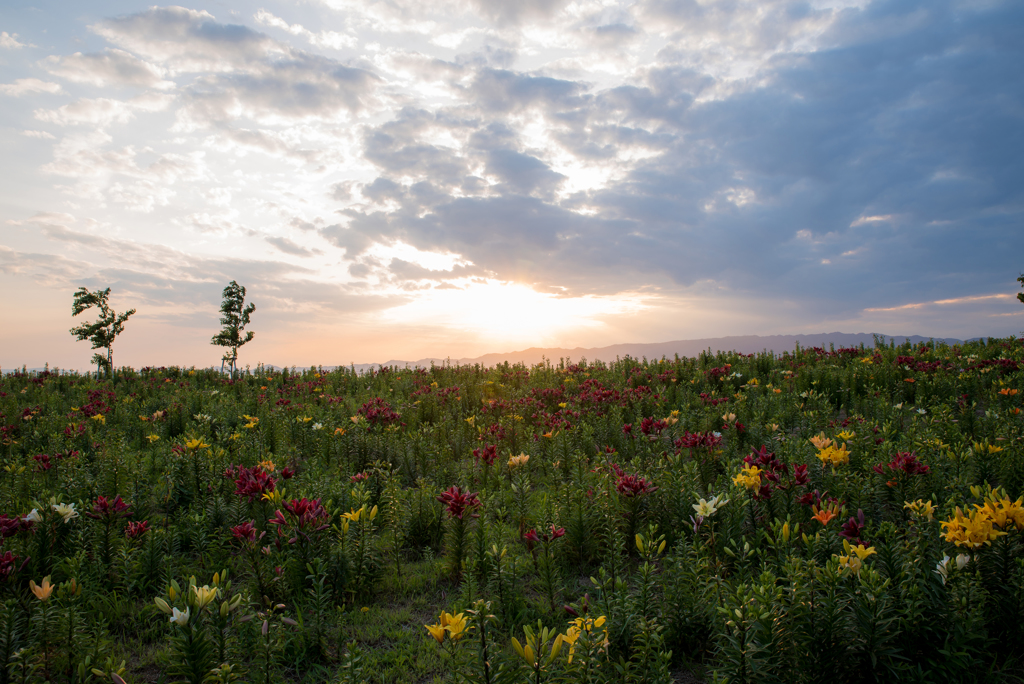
67,511
179,618
706,509
33,516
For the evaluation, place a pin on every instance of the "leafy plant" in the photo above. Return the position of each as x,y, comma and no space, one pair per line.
235,316
104,330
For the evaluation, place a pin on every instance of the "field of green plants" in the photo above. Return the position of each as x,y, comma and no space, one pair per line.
846,515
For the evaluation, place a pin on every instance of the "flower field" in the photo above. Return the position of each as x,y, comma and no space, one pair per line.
846,515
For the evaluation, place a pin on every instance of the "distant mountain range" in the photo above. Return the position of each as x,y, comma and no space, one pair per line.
746,344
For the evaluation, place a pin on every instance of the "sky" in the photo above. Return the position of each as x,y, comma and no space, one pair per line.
400,179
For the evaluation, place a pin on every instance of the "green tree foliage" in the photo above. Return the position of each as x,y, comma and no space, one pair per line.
1020,295
103,332
234,319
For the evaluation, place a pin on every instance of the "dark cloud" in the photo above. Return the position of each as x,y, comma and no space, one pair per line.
770,185
187,40
499,90
301,87
504,12
613,35
523,173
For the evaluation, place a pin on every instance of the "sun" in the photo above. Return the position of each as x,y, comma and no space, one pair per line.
503,312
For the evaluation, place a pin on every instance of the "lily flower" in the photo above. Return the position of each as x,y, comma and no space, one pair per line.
826,514
456,625
179,618
749,477
706,509
202,596
855,556
820,442
922,509
436,631
516,461
42,592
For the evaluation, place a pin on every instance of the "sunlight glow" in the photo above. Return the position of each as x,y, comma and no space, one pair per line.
505,313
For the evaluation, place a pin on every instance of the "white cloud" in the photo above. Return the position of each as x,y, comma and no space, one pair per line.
9,41
328,39
99,112
142,196
215,224
137,180
23,86
102,112
112,67
870,219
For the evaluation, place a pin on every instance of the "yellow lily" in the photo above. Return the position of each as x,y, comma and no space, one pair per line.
436,631
354,514
42,592
456,625
202,596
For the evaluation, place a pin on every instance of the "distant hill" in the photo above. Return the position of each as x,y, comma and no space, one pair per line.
746,344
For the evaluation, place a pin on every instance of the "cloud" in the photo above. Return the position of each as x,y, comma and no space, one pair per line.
112,67
500,90
289,247
838,159
187,41
520,11
301,87
695,182
947,302
141,196
523,173
160,276
328,39
85,155
9,41
614,35
216,224
23,86
242,74
406,270
99,112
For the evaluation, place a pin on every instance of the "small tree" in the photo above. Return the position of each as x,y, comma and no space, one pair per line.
235,318
103,332
1020,295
